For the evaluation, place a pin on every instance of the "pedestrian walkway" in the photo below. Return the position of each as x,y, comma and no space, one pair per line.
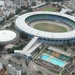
30,47
50,58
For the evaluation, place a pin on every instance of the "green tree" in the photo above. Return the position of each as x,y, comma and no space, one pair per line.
73,73
20,64
0,56
4,67
65,48
18,10
73,43
18,57
69,44
26,62
29,10
24,73
48,1
23,35
73,57
1,46
9,60
63,73
33,3
13,23
58,0
39,72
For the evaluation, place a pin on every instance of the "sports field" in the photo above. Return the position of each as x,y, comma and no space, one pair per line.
48,8
50,27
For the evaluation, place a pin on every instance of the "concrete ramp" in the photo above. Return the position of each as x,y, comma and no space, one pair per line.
18,52
29,45
63,11
34,47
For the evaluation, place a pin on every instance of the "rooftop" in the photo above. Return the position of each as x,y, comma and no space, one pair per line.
1,3
7,35
1,66
20,22
59,51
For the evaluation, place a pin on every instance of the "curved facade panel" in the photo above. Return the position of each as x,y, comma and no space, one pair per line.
22,23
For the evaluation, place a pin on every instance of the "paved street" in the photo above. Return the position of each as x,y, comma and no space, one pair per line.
4,61
45,70
72,3
30,69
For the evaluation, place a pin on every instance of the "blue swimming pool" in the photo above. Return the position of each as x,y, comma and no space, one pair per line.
53,60
58,62
45,57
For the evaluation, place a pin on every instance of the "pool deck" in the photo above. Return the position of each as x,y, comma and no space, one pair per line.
48,60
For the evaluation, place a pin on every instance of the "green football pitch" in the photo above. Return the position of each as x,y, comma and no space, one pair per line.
49,9
50,27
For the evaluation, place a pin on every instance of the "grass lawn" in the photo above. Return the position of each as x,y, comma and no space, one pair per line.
49,9
50,27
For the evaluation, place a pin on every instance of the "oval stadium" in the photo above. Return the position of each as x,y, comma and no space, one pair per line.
23,23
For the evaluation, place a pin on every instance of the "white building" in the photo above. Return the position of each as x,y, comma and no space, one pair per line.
19,2
12,70
1,18
1,66
29,2
6,13
2,3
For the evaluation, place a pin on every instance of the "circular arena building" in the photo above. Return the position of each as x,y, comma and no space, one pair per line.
23,24
8,36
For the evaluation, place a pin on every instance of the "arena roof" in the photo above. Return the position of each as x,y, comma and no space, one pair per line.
59,51
7,35
20,23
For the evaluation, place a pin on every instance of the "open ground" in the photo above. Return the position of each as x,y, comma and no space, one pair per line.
51,26
48,8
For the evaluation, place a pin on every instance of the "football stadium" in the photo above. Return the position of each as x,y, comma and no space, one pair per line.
47,27
23,23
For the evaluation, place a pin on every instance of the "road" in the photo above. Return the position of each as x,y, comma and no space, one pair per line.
3,61
72,3
30,69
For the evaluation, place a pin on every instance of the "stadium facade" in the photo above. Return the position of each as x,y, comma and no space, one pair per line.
23,21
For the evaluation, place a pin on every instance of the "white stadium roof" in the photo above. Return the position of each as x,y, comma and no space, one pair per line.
7,35
20,22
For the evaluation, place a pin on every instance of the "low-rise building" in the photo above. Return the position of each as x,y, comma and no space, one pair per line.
1,66
2,70
12,70
9,46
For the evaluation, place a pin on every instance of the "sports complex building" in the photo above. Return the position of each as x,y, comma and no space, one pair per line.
52,57
23,21
8,36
